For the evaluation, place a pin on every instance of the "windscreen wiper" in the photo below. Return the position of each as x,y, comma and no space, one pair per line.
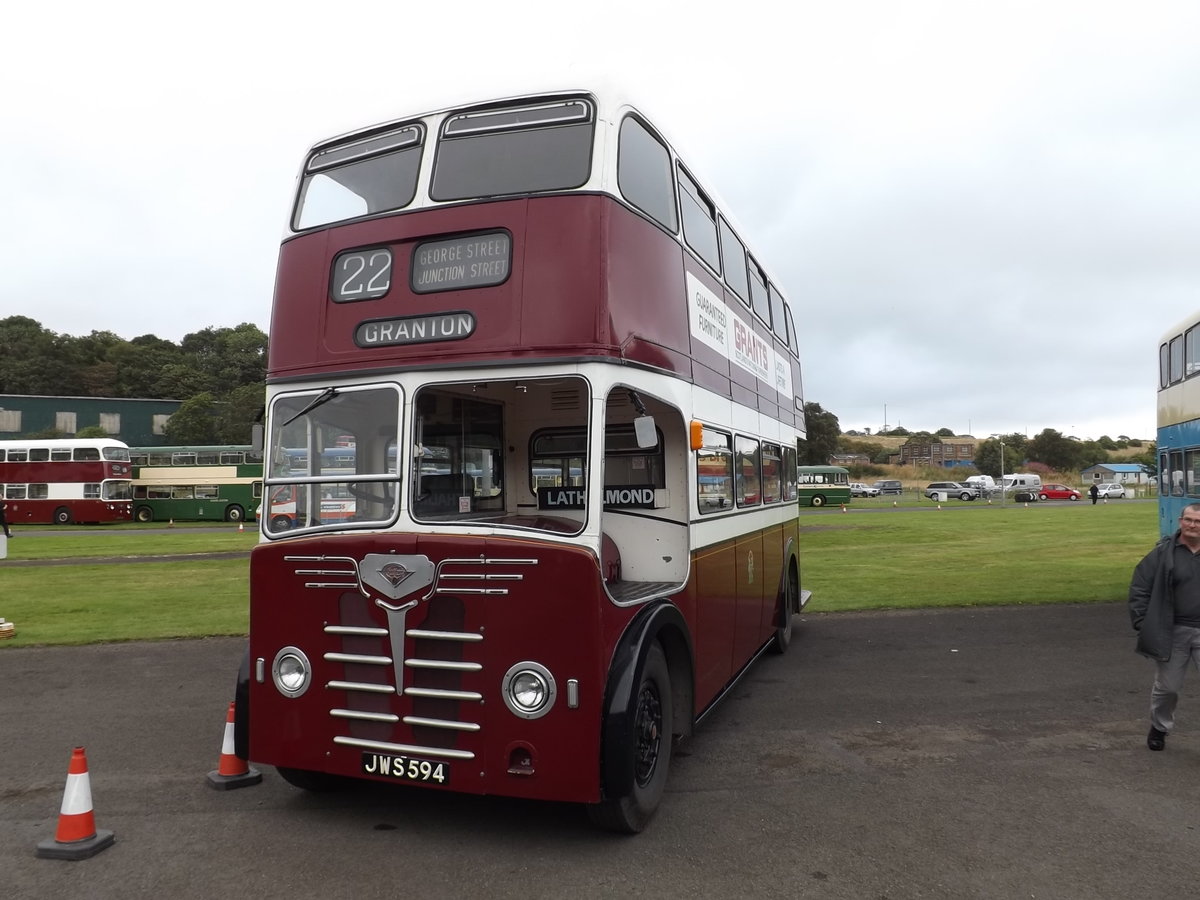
324,397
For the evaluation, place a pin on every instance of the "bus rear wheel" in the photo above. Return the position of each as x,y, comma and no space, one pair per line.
649,749
144,514
62,516
818,500
782,638
234,514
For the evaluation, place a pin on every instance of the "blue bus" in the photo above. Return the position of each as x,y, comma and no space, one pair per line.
1178,422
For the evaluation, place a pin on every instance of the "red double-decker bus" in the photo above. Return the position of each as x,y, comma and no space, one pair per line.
63,481
573,397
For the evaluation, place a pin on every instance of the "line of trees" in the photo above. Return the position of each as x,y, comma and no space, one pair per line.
1050,448
218,373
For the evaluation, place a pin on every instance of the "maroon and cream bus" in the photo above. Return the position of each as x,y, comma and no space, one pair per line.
574,399
86,480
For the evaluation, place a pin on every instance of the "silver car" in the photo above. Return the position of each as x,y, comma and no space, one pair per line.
858,489
1111,489
952,489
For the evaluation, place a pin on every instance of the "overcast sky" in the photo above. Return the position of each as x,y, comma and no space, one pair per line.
985,214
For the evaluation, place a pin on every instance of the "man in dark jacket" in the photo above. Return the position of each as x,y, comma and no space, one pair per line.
1164,606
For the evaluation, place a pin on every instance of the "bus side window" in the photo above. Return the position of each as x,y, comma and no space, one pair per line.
714,472
749,490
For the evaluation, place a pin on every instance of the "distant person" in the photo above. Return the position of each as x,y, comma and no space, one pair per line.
4,519
1094,493
1164,606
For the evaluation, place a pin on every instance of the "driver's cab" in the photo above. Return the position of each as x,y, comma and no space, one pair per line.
555,454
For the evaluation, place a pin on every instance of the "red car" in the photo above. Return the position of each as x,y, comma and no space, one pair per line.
1058,492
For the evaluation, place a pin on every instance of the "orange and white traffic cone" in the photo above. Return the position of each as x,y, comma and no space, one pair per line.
76,837
232,771
241,527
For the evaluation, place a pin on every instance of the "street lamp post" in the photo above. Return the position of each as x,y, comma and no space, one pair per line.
1000,441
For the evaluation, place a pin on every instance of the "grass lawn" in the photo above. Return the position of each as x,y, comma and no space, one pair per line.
972,554
961,555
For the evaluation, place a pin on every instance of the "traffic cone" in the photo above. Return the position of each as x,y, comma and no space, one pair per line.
77,837
241,527
232,771
843,507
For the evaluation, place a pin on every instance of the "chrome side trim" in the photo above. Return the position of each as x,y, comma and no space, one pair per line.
444,664
438,575
358,658
403,749
491,592
441,723
466,636
364,716
438,694
363,686
355,629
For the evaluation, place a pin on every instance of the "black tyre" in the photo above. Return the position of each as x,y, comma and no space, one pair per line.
144,514
787,609
62,516
965,496
1043,497
281,523
649,748
234,514
818,500
315,782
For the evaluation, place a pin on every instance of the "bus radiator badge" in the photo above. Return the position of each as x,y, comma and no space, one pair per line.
396,576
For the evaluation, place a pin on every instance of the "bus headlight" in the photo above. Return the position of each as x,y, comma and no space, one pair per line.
529,690
291,672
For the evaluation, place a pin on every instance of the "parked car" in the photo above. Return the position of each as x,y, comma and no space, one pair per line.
1111,489
889,487
858,489
1058,492
952,489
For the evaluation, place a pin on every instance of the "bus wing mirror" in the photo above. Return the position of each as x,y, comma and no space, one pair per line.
645,432
256,436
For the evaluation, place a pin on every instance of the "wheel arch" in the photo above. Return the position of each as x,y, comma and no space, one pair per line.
662,623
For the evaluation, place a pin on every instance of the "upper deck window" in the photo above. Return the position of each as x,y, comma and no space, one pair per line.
791,331
514,150
777,322
733,261
758,292
357,178
644,173
699,220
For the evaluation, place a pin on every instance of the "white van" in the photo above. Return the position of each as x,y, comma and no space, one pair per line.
985,483
1023,482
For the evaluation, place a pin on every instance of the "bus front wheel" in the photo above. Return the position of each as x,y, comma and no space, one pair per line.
818,500
649,749
281,523
234,514
144,514
62,516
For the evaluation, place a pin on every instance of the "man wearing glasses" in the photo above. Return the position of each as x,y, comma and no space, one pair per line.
1164,604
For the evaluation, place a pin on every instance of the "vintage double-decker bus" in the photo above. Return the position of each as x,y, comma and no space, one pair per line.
85,480
574,396
1178,437
196,484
